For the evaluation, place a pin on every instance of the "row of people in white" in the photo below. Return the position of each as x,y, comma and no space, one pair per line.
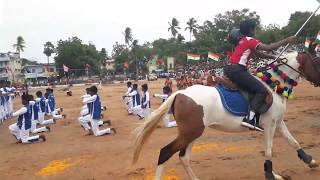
6,101
32,115
90,118
139,106
143,109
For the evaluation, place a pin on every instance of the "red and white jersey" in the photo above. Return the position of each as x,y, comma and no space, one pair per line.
244,51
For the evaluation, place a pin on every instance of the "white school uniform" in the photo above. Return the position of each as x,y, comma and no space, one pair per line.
41,114
84,118
166,119
34,120
128,100
95,114
21,129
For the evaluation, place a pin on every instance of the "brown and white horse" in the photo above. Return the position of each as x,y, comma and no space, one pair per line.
200,106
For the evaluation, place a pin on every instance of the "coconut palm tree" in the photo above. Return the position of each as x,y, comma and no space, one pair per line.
128,36
48,49
192,27
173,26
20,45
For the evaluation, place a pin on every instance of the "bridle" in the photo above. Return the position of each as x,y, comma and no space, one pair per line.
280,62
300,70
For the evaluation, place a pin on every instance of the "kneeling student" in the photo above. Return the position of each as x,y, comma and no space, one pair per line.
94,106
85,116
166,119
21,129
35,116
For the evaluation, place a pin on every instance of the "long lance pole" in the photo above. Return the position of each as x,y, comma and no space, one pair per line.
304,24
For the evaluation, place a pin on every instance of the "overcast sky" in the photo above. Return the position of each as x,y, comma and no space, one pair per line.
103,21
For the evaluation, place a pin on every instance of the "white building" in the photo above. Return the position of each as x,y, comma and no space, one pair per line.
109,65
10,66
39,73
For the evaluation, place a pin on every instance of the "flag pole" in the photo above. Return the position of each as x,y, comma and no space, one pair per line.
286,47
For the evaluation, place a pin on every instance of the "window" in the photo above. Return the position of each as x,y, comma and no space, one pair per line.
170,67
33,70
43,70
51,70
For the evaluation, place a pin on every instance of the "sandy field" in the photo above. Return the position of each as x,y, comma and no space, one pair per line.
70,155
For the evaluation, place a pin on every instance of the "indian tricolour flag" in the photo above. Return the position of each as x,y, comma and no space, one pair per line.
318,38
213,57
193,57
307,43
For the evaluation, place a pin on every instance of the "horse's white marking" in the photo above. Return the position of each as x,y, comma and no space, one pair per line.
159,172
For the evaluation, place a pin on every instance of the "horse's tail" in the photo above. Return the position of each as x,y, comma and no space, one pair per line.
143,132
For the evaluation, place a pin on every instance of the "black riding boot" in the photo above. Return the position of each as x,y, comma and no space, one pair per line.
252,123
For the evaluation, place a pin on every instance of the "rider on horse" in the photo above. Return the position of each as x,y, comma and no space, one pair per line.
246,46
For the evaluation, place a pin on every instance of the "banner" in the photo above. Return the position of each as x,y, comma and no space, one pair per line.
193,58
213,57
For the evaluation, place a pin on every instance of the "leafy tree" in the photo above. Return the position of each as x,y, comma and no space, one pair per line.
295,22
48,49
128,36
103,55
173,26
121,55
20,45
192,26
180,38
269,34
76,55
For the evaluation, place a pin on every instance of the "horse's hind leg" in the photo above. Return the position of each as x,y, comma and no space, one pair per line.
184,156
166,152
189,118
301,154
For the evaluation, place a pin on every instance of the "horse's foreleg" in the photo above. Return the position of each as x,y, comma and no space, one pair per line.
269,134
184,156
301,154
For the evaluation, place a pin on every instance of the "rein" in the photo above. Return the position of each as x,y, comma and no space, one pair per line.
281,62
301,70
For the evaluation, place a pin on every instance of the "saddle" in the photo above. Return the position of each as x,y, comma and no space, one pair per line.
227,83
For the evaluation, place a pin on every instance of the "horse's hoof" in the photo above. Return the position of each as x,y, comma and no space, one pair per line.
64,116
313,164
278,177
48,128
273,176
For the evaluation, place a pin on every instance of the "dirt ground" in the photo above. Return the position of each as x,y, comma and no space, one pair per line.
70,155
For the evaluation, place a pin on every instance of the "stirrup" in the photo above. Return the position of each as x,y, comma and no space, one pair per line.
254,126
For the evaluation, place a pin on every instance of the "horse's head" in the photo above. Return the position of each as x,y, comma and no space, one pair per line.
296,64
309,66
